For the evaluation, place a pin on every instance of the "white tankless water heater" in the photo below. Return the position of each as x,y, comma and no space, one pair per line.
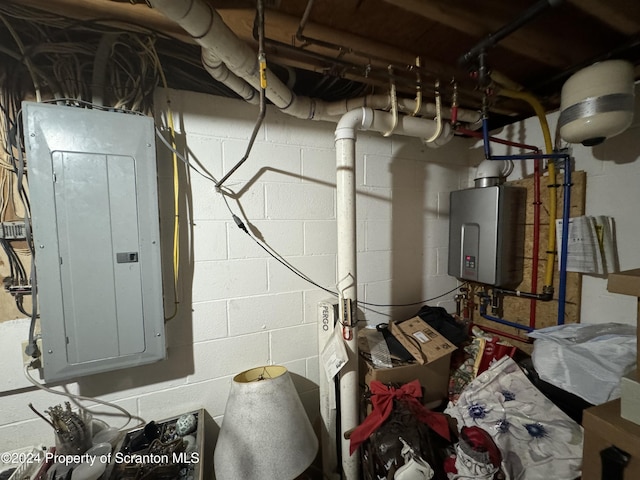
486,235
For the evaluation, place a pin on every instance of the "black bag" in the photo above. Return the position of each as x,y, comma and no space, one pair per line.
444,324
381,453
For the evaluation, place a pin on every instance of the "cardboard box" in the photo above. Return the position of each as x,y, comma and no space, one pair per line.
431,369
626,283
630,399
603,428
423,342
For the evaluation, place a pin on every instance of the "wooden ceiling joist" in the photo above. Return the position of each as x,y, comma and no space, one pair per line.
537,45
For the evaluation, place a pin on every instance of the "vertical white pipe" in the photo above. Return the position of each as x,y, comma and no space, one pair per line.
346,224
345,135
347,272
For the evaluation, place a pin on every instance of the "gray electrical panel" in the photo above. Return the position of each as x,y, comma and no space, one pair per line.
94,206
486,235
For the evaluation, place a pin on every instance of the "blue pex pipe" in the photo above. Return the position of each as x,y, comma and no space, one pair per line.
485,138
506,322
566,208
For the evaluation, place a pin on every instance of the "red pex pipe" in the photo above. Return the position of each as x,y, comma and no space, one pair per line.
495,331
473,133
536,222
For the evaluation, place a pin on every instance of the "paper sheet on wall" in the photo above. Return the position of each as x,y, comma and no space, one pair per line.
334,354
590,246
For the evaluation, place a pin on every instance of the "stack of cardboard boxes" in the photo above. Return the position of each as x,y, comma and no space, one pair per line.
432,359
616,423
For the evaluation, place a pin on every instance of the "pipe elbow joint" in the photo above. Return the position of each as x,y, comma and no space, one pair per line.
360,118
547,290
546,296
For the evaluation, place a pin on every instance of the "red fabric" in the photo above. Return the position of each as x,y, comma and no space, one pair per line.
481,441
450,464
494,350
382,399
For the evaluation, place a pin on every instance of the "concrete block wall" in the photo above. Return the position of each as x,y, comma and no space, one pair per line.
238,307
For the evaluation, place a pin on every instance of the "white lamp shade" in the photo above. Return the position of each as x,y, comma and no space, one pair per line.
265,433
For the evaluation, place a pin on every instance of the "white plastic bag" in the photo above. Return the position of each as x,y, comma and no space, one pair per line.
586,360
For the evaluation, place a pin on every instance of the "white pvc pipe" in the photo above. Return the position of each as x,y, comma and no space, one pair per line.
410,126
345,138
493,169
219,71
208,29
219,43
406,105
194,14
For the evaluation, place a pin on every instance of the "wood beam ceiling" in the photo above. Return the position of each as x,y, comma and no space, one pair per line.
535,44
621,17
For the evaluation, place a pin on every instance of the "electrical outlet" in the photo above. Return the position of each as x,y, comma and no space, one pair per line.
27,359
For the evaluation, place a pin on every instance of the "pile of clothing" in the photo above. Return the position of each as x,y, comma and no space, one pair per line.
500,427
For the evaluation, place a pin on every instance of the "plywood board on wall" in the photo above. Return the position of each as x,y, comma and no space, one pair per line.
517,310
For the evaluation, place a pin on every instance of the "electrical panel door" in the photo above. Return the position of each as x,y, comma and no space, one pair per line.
93,191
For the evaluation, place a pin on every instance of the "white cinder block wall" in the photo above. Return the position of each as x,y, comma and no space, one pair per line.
240,308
